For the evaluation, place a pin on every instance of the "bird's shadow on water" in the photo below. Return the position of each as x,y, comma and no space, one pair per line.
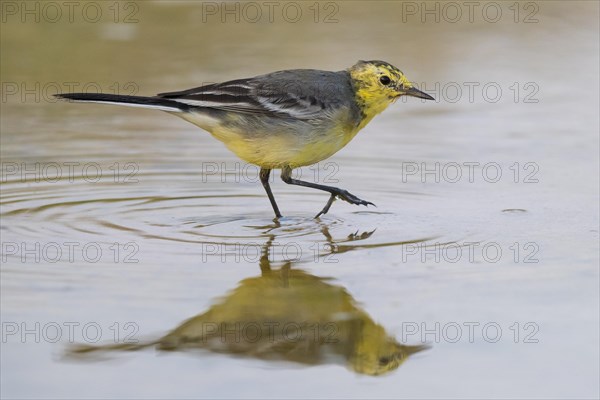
282,314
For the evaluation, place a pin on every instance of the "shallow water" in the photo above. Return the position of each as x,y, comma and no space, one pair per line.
476,274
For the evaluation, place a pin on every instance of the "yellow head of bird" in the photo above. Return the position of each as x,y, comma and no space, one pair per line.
377,84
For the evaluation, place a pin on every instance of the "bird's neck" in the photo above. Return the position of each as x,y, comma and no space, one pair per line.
369,110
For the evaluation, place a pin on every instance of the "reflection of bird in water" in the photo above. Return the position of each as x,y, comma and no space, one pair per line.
292,315
286,314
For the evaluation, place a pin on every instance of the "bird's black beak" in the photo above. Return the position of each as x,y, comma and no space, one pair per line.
414,92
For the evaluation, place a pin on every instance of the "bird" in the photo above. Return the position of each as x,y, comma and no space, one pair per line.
286,119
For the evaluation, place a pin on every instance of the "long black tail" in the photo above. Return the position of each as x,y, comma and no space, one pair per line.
132,101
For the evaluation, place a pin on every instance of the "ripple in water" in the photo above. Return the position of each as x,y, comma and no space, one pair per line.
222,215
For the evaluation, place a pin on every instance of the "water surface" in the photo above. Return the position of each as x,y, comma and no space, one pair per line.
139,256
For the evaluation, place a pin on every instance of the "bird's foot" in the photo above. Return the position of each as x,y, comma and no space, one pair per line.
346,196
352,199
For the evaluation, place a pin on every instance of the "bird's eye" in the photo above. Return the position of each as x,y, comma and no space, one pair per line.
384,360
385,80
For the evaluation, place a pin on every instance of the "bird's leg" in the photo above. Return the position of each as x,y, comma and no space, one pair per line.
286,176
327,206
264,179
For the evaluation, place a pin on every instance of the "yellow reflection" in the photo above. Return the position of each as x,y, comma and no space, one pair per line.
285,314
